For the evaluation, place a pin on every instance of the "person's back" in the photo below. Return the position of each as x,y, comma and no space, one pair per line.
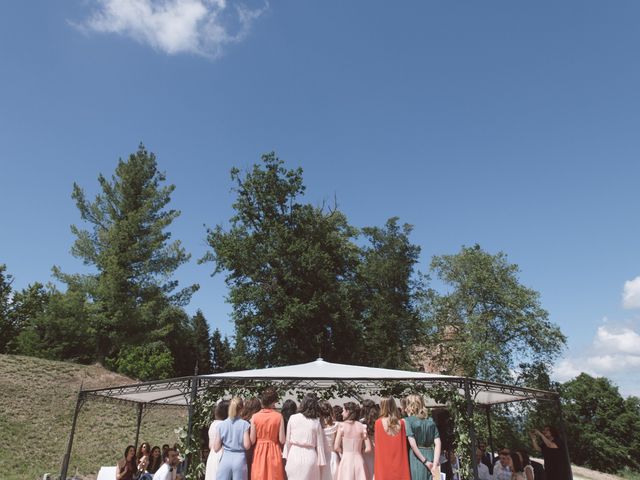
352,465
267,456
392,460
353,434
538,470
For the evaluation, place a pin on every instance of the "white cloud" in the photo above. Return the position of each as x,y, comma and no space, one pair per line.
566,370
623,340
631,294
201,27
614,353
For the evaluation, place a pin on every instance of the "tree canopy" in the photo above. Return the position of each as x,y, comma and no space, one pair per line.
487,323
290,269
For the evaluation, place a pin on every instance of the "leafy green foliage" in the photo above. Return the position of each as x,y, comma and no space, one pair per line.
602,428
487,322
60,330
146,362
7,327
290,269
201,343
221,353
388,291
134,299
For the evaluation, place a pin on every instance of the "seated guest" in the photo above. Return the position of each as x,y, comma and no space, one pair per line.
168,469
142,457
126,468
155,460
503,470
483,469
527,468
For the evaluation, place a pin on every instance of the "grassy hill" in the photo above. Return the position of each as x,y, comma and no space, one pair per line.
37,399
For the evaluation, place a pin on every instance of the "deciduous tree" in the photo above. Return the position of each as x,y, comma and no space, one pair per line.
487,322
290,268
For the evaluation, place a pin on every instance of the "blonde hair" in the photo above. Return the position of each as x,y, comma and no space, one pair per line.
414,405
388,409
235,407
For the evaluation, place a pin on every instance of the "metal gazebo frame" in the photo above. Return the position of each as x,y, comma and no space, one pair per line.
183,392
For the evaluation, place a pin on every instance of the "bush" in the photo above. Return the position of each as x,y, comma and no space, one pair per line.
152,361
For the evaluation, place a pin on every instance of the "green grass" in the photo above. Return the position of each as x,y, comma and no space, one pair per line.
630,474
37,400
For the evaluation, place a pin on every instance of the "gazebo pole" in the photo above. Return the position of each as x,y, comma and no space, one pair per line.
563,432
472,430
490,432
67,455
192,400
140,408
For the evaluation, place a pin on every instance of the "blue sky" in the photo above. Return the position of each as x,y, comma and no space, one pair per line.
509,124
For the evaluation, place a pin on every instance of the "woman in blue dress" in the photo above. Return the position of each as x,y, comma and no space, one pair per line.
232,435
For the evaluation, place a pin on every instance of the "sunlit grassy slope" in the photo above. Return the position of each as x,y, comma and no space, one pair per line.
37,398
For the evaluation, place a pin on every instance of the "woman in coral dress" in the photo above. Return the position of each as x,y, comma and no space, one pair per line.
392,461
304,446
267,434
349,440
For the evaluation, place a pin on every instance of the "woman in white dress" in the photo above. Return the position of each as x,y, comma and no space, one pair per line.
221,413
304,447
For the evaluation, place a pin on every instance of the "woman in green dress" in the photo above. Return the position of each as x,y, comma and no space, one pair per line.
424,440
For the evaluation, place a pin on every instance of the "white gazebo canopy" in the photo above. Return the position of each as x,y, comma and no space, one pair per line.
314,376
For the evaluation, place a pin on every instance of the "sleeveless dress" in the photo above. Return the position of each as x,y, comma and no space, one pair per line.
267,455
214,457
392,461
330,470
424,431
233,464
352,466
304,448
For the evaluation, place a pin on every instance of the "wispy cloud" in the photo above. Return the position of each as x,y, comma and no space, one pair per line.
201,27
631,294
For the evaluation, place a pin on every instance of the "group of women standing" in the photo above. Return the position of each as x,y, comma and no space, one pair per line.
319,442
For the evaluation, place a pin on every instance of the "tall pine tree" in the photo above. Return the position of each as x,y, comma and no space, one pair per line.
128,244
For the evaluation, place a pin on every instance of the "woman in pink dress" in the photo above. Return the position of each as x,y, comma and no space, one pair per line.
349,439
304,447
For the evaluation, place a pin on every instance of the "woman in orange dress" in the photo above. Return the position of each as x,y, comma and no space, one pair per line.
392,459
267,433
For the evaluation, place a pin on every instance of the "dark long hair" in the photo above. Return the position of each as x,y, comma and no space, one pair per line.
353,411
222,410
153,464
251,406
517,463
309,406
370,413
139,454
289,407
326,414
132,464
